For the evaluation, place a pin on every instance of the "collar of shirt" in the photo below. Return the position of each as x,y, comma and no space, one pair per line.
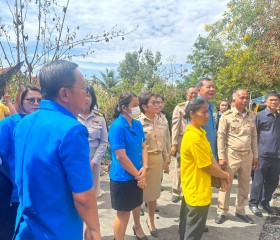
145,118
267,112
92,114
126,123
199,131
236,112
209,105
54,106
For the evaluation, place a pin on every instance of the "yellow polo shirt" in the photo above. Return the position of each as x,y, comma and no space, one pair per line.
4,111
196,154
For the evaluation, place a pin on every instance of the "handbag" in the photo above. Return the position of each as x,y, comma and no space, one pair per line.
216,182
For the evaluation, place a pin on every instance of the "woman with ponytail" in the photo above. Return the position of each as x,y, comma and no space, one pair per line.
129,163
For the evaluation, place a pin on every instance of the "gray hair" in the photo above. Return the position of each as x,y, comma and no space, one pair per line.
236,92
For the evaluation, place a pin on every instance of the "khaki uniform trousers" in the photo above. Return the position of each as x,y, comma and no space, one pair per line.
176,184
240,163
153,178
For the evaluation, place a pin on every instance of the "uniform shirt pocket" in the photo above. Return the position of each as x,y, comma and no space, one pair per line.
94,132
235,128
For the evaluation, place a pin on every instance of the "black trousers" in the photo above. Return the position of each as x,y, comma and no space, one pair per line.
265,181
193,224
8,211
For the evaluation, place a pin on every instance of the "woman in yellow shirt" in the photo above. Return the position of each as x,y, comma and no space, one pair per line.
197,167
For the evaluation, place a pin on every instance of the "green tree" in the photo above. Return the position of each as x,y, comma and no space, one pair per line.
109,78
246,46
140,66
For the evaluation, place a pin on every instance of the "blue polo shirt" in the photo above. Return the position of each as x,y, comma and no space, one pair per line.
130,138
268,128
210,128
7,148
52,162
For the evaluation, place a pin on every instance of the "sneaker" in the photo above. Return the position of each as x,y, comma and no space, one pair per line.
255,210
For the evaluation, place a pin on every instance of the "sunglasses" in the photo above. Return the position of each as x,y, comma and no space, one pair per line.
32,101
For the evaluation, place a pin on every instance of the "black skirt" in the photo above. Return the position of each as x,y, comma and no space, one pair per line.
125,196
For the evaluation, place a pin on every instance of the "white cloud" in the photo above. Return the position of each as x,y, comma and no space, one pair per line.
169,26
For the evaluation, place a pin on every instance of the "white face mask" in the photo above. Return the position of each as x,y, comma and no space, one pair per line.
135,112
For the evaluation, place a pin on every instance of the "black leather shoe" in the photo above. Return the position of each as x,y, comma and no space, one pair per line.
245,218
220,219
175,198
269,210
255,210
153,233
139,238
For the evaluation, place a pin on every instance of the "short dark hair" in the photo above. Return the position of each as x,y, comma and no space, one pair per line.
200,82
91,92
160,96
144,99
270,94
55,75
21,94
124,100
187,91
193,106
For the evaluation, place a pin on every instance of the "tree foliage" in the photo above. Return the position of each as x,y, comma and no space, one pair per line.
241,50
142,66
109,79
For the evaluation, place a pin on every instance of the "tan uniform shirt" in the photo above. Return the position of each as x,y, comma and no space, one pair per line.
238,133
178,124
156,135
162,117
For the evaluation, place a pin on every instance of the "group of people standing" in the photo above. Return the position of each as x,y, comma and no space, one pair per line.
50,162
242,139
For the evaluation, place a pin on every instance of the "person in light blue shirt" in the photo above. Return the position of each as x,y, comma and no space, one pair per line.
53,172
129,164
27,101
206,91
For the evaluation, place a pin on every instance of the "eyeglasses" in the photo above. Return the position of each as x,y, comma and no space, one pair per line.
32,101
154,103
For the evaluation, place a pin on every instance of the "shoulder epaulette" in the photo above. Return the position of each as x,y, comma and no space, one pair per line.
98,112
227,112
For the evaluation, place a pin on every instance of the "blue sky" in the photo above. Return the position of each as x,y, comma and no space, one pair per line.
169,26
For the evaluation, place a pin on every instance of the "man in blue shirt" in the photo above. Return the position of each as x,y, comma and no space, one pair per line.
53,172
206,91
266,178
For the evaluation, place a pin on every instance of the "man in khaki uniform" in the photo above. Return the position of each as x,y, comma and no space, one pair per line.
238,152
178,128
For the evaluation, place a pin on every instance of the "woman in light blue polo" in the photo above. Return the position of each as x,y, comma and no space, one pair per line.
27,101
129,163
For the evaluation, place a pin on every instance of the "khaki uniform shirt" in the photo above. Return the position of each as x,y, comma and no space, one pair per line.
178,124
238,133
97,135
156,135
162,117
